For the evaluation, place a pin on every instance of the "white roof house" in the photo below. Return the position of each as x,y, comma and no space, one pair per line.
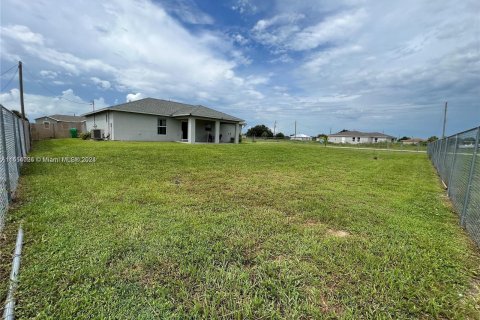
161,120
354,137
300,136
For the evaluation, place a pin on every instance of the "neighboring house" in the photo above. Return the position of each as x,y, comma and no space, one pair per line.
413,141
161,120
355,137
61,121
300,137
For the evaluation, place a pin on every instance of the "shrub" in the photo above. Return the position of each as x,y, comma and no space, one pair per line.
85,135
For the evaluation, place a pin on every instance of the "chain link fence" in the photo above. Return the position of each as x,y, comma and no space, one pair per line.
14,144
457,160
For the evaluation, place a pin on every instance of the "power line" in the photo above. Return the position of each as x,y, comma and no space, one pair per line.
8,70
9,81
51,91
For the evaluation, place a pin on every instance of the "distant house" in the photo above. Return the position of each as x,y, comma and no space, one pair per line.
161,120
300,137
413,141
355,137
61,121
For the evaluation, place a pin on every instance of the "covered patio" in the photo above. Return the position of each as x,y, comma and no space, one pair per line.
204,130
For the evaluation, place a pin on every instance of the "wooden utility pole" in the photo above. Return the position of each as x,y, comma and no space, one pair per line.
444,120
93,107
295,135
20,79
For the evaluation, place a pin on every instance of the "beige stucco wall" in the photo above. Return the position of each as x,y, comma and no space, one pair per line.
143,127
102,120
134,126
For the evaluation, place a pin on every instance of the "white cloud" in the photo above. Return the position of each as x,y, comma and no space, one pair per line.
48,74
104,84
170,62
40,105
188,11
22,33
317,60
286,30
241,40
245,7
134,96
332,29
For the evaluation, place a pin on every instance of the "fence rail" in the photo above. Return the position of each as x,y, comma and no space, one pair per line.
457,161
14,144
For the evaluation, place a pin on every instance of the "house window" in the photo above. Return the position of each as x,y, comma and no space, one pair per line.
358,139
162,126
376,139
353,139
46,125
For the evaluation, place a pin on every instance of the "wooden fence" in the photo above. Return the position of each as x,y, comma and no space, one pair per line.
54,130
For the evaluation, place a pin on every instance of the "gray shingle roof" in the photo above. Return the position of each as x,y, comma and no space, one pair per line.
168,108
360,134
65,118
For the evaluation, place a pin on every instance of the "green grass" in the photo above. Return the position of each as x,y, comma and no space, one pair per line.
292,231
379,145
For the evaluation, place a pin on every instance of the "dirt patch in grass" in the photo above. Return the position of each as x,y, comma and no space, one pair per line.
338,233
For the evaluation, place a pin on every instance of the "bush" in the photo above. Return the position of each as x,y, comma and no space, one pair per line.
85,135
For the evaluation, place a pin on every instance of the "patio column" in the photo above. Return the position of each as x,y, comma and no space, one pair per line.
217,131
191,130
237,132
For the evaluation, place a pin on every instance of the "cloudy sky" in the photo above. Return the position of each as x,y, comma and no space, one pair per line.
365,65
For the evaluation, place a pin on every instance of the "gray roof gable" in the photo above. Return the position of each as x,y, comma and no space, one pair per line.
168,108
64,118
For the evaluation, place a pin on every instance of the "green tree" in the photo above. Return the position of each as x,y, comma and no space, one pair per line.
322,136
280,135
259,130
403,138
432,138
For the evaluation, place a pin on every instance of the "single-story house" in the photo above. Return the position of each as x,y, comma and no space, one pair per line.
152,119
61,121
354,137
300,137
413,141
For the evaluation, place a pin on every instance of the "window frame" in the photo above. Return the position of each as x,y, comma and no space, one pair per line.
46,124
161,127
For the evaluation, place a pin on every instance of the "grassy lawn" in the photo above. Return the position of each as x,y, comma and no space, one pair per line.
257,230
379,145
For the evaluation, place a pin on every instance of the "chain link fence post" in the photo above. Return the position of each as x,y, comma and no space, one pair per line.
15,142
450,177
